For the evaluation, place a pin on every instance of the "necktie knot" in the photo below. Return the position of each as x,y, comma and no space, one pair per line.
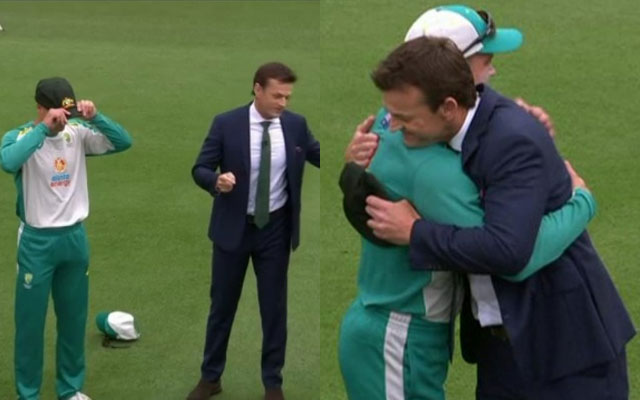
265,125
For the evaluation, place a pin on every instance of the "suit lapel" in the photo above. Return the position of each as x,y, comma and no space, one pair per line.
244,135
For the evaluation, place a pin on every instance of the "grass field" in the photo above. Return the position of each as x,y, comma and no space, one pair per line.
163,69
576,61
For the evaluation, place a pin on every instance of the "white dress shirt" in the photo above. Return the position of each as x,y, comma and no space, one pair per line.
278,187
484,303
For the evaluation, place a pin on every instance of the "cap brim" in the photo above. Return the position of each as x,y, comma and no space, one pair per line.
504,41
102,322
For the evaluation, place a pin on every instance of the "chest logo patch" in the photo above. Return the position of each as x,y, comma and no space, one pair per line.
60,164
386,121
60,177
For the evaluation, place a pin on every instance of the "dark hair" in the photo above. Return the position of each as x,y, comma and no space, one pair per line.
273,70
434,65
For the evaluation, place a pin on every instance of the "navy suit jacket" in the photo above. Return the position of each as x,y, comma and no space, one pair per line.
568,316
227,148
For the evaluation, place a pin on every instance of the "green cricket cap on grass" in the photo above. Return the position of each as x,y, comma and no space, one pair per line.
117,325
57,93
472,31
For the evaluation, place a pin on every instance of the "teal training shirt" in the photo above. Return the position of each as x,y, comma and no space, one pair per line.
433,180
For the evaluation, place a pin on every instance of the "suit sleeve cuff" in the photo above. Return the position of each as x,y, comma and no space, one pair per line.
419,254
214,187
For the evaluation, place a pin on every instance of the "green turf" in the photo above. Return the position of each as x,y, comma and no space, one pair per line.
577,61
162,69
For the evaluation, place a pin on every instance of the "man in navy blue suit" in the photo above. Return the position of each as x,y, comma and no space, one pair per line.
252,163
561,334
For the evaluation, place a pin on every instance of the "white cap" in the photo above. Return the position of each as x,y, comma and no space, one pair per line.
117,325
464,26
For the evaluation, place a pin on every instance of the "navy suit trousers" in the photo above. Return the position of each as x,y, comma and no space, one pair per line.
269,250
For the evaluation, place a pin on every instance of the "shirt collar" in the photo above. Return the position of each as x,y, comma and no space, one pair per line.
256,117
456,142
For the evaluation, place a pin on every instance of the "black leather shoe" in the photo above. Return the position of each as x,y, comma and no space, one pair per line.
273,394
204,390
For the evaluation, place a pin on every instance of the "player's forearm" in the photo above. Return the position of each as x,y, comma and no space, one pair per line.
115,133
16,152
558,231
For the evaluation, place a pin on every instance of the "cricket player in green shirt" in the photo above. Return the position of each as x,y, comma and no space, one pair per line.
47,160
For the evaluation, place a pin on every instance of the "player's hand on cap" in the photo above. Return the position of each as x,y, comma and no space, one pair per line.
391,221
363,144
56,119
576,180
225,182
538,113
87,109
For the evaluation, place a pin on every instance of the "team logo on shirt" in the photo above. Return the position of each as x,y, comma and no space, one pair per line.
66,136
386,121
60,177
60,164
28,278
